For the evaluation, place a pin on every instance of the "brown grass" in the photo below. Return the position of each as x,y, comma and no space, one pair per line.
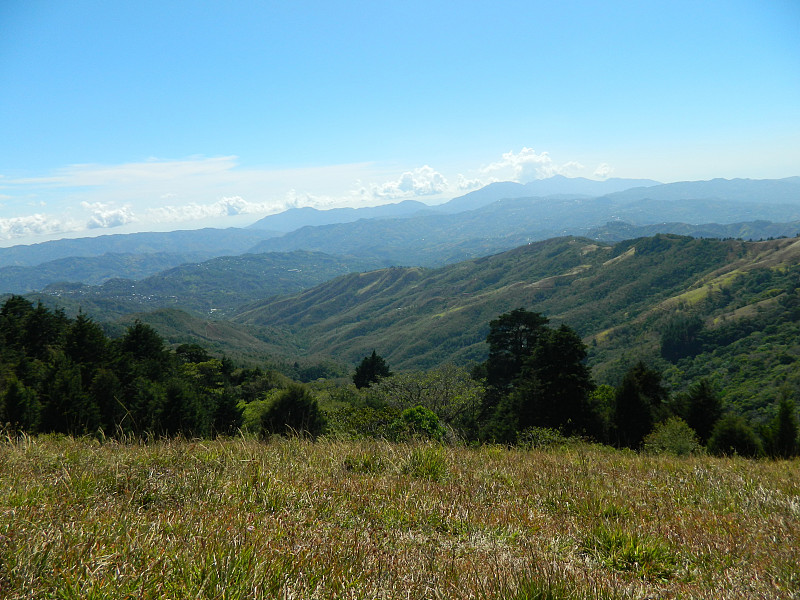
296,519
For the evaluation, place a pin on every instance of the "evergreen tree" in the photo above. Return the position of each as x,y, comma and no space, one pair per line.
20,406
782,436
640,402
553,388
512,339
703,409
86,346
371,369
68,407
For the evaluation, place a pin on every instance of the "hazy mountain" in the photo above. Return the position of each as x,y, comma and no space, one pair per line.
211,287
295,218
92,270
203,243
437,239
615,231
751,191
552,186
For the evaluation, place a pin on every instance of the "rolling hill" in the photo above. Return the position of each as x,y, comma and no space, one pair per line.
216,286
621,299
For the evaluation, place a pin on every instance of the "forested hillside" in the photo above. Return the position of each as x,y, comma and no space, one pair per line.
215,286
627,301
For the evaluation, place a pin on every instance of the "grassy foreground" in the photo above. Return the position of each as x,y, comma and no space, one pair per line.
295,519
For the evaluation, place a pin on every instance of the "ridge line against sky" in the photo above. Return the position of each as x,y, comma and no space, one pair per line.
121,117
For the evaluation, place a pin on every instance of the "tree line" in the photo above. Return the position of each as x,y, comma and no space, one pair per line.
64,375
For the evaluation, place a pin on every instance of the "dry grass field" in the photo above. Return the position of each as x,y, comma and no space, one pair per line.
291,518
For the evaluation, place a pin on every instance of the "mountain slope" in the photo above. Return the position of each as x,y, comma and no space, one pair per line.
621,299
426,316
91,270
767,191
215,286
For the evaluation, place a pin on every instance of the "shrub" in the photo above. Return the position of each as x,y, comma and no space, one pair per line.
419,422
733,436
673,436
294,411
541,437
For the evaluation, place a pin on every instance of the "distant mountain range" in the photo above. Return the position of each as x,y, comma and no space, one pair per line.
496,218
295,218
201,242
552,186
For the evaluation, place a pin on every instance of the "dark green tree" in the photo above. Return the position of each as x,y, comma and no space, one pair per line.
20,406
640,403
733,436
107,392
294,411
512,339
67,407
782,433
554,386
371,369
86,346
680,336
192,353
703,409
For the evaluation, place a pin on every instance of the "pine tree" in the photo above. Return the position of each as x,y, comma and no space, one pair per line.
704,409
784,443
370,370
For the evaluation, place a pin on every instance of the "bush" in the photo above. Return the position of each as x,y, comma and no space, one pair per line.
294,411
673,436
733,436
542,437
419,422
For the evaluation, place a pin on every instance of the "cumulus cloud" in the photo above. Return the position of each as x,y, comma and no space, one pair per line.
527,164
36,224
464,185
225,207
103,216
423,181
603,170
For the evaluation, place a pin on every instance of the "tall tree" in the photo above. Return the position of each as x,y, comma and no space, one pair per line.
782,437
512,339
640,402
703,409
371,369
555,383
20,406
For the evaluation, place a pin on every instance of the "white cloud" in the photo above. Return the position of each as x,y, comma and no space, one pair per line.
103,216
217,192
464,185
423,181
35,225
603,170
528,165
225,207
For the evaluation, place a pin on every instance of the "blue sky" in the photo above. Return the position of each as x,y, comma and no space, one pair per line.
131,116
